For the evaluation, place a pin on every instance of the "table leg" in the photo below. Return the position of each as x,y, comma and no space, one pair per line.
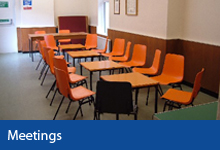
136,96
73,62
156,98
91,80
31,49
81,69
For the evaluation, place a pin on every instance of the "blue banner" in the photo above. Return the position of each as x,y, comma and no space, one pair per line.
112,135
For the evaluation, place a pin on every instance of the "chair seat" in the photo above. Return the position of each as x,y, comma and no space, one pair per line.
178,96
123,59
131,64
98,50
111,54
59,56
64,41
54,48
76,78
148,71
79,93
71,69
166,79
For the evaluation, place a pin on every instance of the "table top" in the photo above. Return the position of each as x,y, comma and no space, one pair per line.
83,54
72,35
101,65
71,46
200,112
136,79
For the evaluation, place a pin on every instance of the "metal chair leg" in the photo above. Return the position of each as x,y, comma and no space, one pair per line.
52,87
77,112
53,96
42,71
44,76
148,92
38,64
58,108
67,110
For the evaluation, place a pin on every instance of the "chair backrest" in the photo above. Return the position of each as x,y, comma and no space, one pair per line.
114,97
51,56
64,40
197,84
139,54
118,47
50,41
60,64
91,41
40,32
46,49
156,61
106,45
174,66
64,31
41,45
62,81
127,51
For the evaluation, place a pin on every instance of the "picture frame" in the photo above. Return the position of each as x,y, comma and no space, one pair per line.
117,7
131,7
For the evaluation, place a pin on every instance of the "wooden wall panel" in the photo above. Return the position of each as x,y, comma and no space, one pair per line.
197,56
23,41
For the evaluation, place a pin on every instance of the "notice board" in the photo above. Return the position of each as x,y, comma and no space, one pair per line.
74,24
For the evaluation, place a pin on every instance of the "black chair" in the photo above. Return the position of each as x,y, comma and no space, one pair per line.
114,97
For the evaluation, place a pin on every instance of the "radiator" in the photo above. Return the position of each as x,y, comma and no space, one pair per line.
101,43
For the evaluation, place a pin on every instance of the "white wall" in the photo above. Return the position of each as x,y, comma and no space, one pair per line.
175,19
202,21
151,19
41,14
8,35
70,8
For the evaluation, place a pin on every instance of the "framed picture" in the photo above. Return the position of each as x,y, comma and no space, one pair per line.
131,7
116,6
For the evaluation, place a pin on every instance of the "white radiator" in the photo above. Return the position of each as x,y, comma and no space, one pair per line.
101,43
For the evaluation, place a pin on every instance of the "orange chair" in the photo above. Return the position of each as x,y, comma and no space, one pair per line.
64,41
91,41
37,47
42,44
50,56
50,42
122,58
177,98
172,73
118,48
48,65
102,51
153,70
74,79
138,57
80,94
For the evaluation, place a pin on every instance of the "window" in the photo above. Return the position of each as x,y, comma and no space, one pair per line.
103,17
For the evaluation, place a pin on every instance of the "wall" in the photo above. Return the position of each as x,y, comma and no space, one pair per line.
70,8
41,14
151,19
201,21
8,41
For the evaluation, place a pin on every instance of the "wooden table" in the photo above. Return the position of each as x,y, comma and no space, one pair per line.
57,36
137,81
99,66
69,47
83,54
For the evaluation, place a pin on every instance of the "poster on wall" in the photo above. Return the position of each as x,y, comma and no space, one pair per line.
27,4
